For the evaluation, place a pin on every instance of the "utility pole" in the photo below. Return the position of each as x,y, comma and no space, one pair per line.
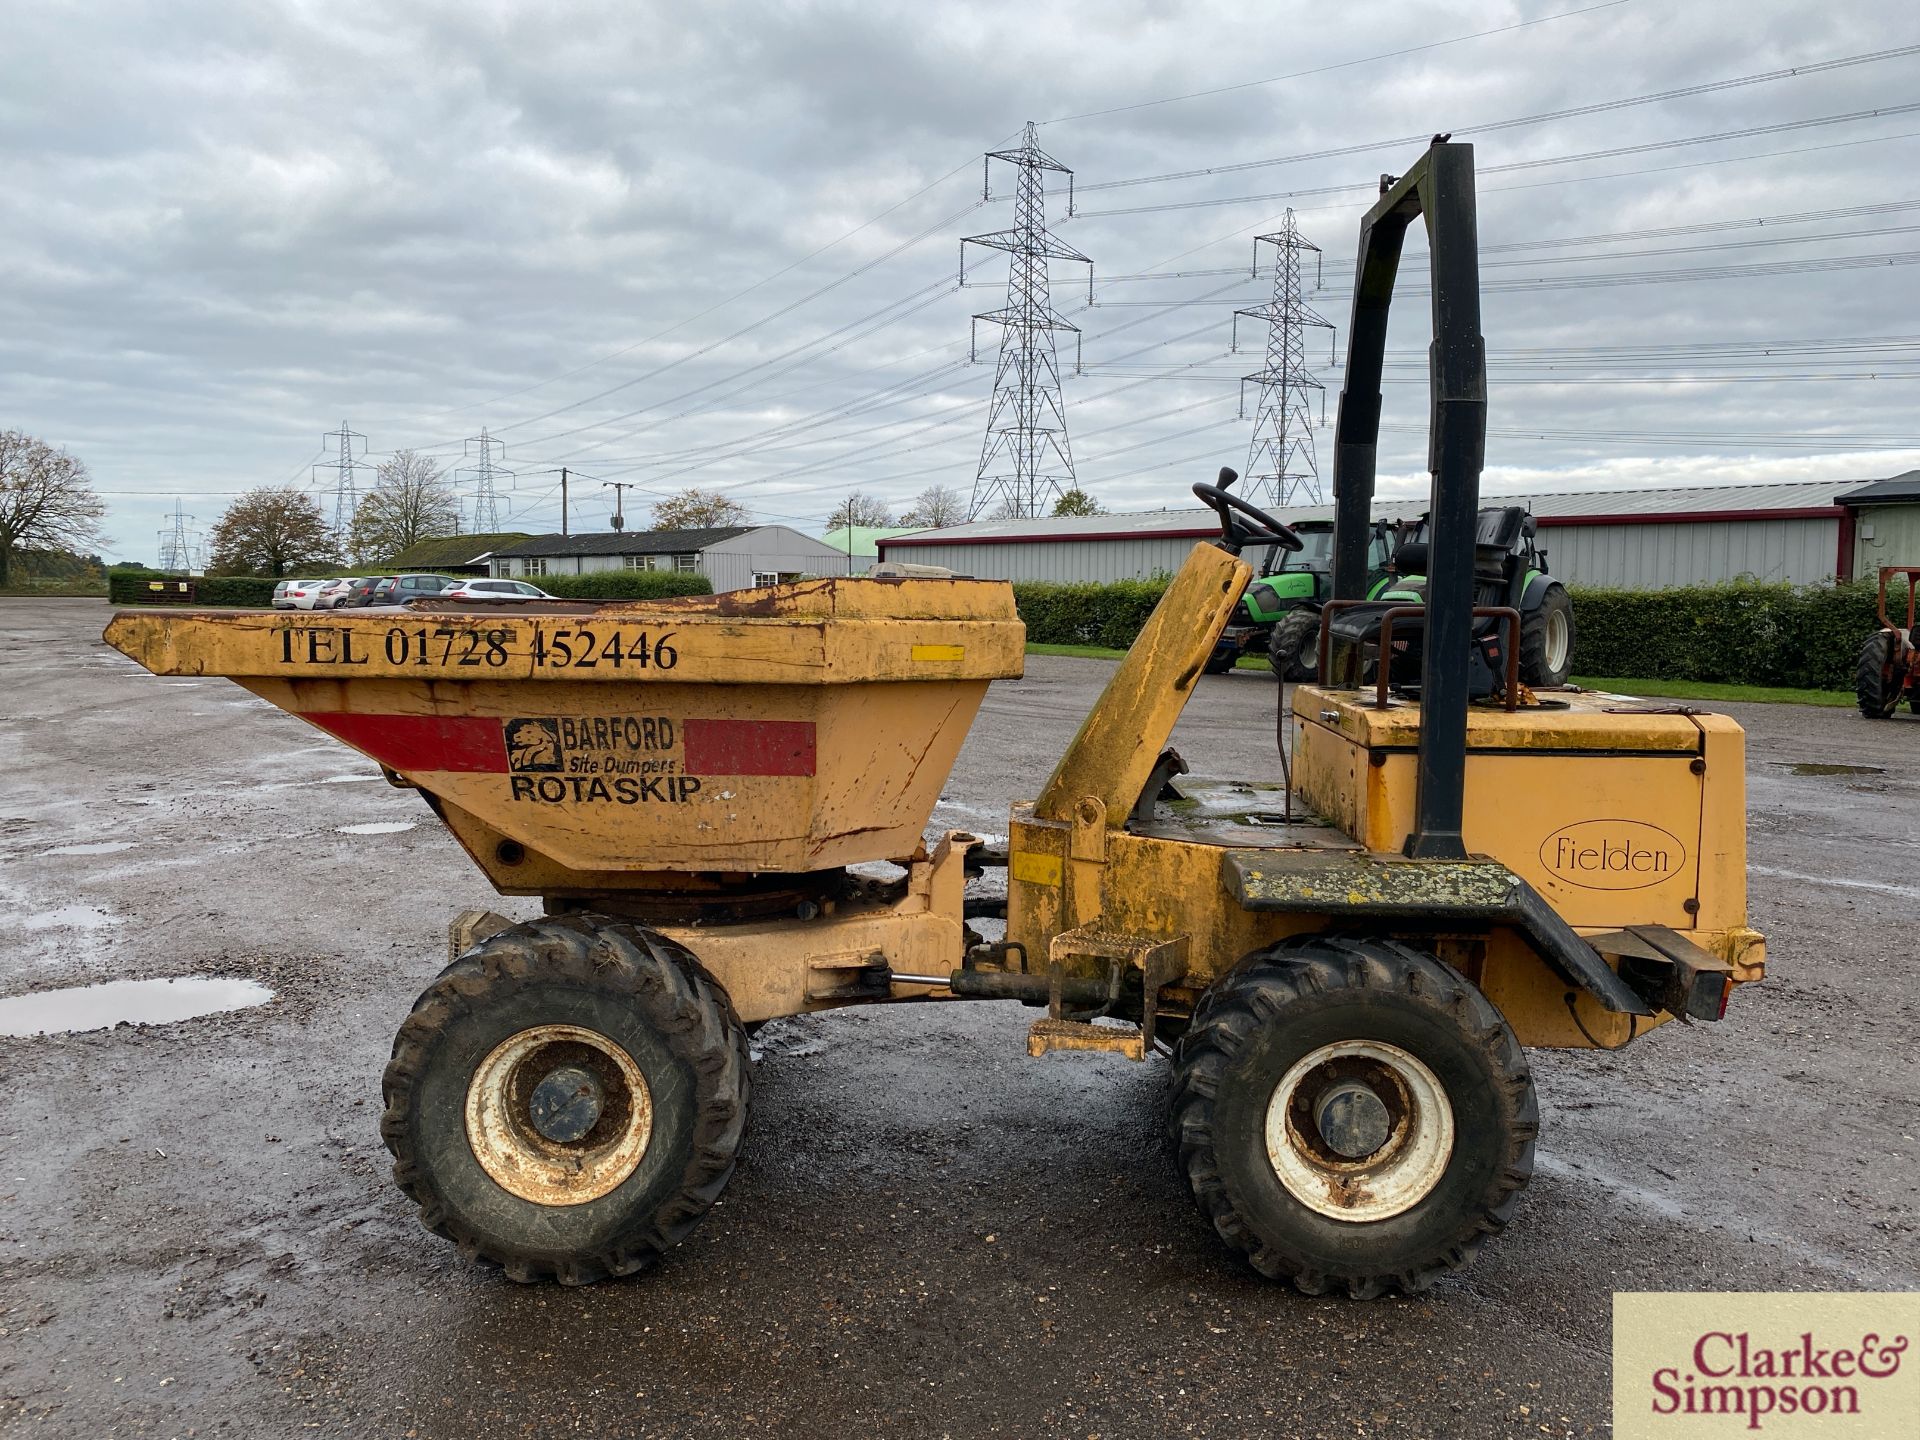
1026,456
346,497
486,474
563,499
620,488
1281,465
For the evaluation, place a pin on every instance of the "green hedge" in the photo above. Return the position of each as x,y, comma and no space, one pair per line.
1109,615
1743,633
133,587
624,584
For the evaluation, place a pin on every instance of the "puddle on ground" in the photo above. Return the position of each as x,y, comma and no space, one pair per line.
1809,768
105,847
65,917
378,827
136,1002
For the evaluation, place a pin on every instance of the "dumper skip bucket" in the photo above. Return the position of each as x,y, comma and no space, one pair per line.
798,728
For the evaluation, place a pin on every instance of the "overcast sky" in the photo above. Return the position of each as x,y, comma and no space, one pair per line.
606,231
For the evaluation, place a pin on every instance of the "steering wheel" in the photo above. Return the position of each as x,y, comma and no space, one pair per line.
1243,523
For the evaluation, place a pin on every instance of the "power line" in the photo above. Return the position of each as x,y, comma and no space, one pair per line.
1338,65
1543,117
1746,132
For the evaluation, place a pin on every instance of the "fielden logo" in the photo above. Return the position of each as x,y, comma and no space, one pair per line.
1784,1365
1613,855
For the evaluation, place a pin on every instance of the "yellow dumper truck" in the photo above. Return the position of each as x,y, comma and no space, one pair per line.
1345,969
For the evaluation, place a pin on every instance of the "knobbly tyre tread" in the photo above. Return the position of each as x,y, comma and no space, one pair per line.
1870,678
1258,992
1293,643
677,997
1534,670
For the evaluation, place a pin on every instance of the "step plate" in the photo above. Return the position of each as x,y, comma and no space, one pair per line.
1046,1035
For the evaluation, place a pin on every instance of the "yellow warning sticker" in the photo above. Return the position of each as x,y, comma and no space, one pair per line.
1035,868
939,652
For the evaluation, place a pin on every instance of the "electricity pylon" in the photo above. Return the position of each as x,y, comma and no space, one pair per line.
346,460
486,473
1026,459
1281,466
176,549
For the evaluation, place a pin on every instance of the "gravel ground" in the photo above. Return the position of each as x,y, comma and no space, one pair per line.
929,1234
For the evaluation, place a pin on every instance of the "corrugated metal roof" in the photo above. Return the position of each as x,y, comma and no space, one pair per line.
625,542
1671,503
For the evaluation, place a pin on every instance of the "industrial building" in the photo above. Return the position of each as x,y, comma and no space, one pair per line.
1802,532
732,557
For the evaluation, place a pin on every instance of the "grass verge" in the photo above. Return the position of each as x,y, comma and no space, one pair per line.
1703,690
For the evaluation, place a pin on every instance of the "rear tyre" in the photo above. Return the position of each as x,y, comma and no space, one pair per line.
1293,646
1352,1114
1220,663
1546,640
567,1099
1878,680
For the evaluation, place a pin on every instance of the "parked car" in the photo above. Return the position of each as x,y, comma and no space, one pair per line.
301,594
359,592
495,590
398,589
280,600
333,593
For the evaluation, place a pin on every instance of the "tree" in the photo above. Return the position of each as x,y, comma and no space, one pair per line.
1077,502
272,530
860,510
698,510
936,506
411,501
46,500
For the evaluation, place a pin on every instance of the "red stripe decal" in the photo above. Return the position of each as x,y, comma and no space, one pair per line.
468,743
748,747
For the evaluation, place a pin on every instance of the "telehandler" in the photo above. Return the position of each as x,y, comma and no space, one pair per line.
1344,971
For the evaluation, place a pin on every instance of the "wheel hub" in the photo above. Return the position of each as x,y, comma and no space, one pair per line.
1352,1119
566,1104
1359,1130
558,1114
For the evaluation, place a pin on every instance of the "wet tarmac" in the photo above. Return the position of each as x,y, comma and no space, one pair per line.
929,1234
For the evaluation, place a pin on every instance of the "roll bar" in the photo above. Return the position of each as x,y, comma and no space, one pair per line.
1439,188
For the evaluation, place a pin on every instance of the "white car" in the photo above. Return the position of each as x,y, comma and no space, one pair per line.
301,594
495,590
332,592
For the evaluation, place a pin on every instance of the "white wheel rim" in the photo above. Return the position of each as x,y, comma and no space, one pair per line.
1556,639
1389,1180
526,1163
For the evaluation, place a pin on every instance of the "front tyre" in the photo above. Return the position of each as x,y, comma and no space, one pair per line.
1878,680
567,1099
1293,645
1351,1113
1546,640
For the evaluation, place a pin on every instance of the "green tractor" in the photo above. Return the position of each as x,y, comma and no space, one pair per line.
1296,583
1280,613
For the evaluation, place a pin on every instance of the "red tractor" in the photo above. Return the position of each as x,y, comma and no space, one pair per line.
1888,671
